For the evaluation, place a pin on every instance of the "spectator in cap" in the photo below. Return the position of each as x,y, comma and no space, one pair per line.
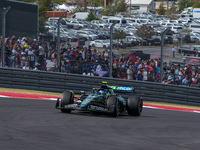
194,82
170,80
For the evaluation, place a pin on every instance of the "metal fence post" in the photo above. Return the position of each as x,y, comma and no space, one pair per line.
5,10
58,43
162,44
111,38
53,21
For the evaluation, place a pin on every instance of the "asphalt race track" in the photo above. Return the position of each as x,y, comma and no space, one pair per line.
37,125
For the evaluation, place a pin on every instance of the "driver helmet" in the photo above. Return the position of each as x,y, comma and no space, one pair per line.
102,92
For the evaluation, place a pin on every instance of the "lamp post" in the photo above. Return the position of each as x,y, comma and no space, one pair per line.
58,42
53,21
130,7
5,10
111,43
162,44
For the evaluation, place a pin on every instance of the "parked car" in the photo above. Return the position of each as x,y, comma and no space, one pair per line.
154,40
87,34
69,37
190,50
78,24
140,54
176,29
65,23
99,24
168,39
100,43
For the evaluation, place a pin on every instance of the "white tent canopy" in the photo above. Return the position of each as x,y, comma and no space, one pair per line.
63,6
139,2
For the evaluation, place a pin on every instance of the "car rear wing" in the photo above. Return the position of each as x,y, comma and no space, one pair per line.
122,89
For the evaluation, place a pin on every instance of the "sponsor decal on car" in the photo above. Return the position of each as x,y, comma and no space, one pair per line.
71,106
121,88
97,108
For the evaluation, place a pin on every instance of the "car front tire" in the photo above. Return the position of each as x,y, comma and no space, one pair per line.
66,98
113,106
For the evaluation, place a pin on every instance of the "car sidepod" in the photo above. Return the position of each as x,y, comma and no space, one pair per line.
94,103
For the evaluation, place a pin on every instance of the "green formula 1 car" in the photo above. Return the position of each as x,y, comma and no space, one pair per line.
102,99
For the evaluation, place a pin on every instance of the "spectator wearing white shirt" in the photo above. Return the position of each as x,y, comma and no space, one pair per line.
14,52
31,58
26,67
98,68
41,55
174,51
185,81
130,73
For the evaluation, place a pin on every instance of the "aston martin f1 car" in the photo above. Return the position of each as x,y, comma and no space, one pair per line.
103,99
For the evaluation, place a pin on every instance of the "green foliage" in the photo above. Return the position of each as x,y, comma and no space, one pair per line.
59,1
196,4
119,34
145,31
120,6
171,13
185,4
185,31
98,2
161,10
42,20
109,11
116,7
91,17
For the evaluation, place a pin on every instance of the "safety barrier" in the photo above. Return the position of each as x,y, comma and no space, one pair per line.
58,82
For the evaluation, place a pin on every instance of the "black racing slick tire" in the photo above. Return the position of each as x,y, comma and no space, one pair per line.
134,105
66,98
113,106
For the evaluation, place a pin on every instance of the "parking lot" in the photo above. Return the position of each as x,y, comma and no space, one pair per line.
97,32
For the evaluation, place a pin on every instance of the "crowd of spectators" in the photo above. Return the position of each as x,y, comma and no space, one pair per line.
37,54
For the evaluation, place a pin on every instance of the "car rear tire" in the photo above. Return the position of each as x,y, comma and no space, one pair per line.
113,105
134,105
93,45
104,46
66,98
